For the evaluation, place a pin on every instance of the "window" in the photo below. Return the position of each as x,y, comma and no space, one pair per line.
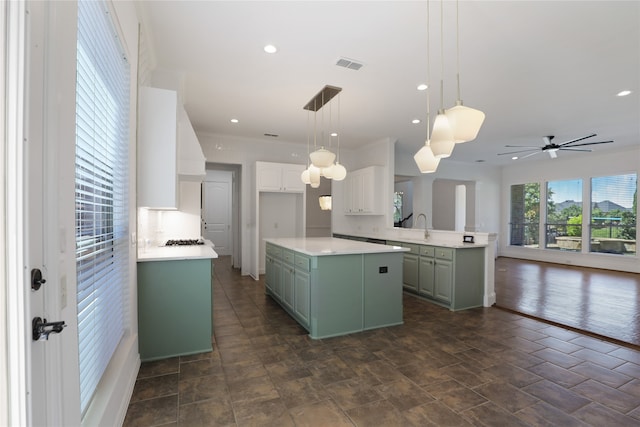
614,208
101,182
564,215
525,215
397,208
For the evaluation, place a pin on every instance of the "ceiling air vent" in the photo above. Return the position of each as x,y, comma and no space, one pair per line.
272,135
351,64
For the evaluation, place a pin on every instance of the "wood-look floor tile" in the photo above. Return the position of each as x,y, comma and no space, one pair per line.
263,413
214,412
459,399
490,414
558,344
598,358
320,414
380,413
203,388
632,388
608,396
152,412
404,394
529,334
558,358
543,414
594,344
561,376
463,375
627,354
301,391
520,358
629,368
560,397
514,375
506,396
433,414
600,374
598,415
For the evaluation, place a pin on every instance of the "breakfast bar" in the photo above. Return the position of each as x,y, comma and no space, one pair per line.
335,286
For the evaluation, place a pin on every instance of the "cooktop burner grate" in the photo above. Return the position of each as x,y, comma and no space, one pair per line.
184,242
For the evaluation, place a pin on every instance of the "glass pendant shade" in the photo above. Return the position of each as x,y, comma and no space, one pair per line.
465,122
306,179
328,172
339,172
426,161
322,158
442,142
314,176
325,202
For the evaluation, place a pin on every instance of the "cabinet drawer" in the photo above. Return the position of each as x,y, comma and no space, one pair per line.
444,253
274,251
427,251
302,262
287,256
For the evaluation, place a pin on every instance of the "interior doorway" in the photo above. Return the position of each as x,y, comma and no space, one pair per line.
220,217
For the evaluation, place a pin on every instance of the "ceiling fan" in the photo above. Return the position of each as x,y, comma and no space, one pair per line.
553,148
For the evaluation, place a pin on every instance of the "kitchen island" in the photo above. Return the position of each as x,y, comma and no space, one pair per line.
334,286
175,300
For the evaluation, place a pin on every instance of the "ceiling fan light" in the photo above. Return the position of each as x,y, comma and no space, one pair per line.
465,122
339,172
322,158
306,179
442,142
426,161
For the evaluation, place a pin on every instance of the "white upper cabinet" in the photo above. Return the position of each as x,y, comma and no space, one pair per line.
363,191
191,160
157,149
279,177
168,149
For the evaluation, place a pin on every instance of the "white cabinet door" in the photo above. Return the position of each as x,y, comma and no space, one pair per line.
280,177
157,148
291,180
363,190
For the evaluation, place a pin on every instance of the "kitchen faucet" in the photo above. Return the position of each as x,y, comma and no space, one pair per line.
426,232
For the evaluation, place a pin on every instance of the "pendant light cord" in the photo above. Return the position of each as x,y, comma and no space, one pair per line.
428,73
339,131
441,111
458,50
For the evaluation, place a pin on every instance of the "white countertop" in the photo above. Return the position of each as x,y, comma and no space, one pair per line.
436,238
173,253
319,246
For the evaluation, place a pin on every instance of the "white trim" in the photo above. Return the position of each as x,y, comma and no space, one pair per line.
16,329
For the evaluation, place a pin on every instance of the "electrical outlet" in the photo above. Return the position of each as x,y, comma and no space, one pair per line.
63,292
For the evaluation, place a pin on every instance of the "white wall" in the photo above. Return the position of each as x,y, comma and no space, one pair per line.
584,166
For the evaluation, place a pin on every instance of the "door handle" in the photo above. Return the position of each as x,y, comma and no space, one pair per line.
42,329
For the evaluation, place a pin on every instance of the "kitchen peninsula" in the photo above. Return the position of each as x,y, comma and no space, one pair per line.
335,286
175,300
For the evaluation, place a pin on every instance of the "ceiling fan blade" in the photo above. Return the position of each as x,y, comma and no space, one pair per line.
591,143
577,139
530,154
574,149
522,146
519,151
553,154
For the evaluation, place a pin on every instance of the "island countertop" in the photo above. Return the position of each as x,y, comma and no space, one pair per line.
172,253
322,246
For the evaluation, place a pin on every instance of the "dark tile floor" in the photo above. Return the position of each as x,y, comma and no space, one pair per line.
484,367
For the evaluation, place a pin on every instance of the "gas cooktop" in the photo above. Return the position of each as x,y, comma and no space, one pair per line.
184,242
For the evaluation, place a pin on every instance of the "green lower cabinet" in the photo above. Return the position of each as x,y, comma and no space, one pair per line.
443,280
451,277
174,308
288,283
427,277
302,297
341,294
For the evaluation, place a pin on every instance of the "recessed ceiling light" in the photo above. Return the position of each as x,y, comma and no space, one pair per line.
415,121
514,158
422,86
270,48
624,93
334,134
234,120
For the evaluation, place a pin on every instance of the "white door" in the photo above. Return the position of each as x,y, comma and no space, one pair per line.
217,211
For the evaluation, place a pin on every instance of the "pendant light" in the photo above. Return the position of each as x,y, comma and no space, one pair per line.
424,158
465,122
305,177
325,202
322,158
442,142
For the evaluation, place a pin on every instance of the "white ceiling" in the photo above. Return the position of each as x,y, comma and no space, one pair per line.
535,68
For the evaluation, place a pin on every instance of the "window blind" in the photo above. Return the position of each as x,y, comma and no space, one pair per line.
101,187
